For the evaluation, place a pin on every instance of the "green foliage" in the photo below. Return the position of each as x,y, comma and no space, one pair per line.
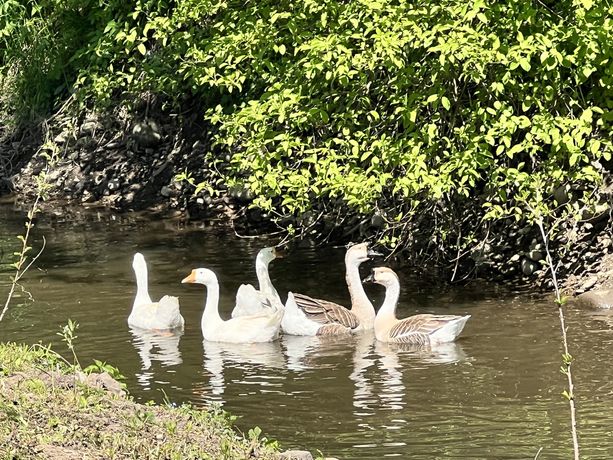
68,335
385,106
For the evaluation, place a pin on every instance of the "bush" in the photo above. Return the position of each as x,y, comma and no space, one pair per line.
384,107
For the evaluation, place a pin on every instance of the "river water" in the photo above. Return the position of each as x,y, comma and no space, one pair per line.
496,393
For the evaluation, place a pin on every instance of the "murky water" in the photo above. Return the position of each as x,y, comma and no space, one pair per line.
496,393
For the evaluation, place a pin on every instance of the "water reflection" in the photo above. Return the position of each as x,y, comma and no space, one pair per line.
160,346
251,358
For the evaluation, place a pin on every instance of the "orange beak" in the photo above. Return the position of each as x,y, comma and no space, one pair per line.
191,278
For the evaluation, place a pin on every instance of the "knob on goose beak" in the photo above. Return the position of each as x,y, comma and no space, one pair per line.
279,253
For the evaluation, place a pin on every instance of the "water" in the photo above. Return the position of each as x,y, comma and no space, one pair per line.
496,393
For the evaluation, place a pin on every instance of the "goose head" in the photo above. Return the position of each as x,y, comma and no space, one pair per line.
382,275
201,276
267,255
138,262
359,253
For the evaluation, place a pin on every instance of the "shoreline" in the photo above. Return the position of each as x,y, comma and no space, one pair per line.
53,410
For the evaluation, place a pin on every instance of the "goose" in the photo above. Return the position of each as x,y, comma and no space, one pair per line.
305,315
250,300
260,327
423,329
147,314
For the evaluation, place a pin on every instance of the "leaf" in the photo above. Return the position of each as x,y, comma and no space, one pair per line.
432,98
525,64
445,102
142,48
282,49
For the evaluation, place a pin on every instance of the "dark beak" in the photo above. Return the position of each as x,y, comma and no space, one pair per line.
371,253
370,278
280,253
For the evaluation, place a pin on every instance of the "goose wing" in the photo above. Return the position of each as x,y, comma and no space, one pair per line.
168,312
325,312
249,301
417,329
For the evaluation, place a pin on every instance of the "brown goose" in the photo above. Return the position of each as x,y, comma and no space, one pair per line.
307,316
418,329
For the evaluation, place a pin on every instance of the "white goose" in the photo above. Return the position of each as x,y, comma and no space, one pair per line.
418,329
249,300
147,314
261,327
307,316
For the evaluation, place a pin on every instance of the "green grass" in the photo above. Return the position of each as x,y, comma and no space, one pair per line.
46,413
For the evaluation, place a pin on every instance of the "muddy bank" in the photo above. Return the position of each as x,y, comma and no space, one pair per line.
131,163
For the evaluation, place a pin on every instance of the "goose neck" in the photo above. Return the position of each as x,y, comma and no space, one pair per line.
211,306
142,285
261,271
392,292
360,302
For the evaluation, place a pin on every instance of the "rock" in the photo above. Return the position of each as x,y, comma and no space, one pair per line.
377,221
536,255
515,258
528,267
595,299
103,381
295,455
165,191
89,128
113,185
61,138
588,284
112,145
146,133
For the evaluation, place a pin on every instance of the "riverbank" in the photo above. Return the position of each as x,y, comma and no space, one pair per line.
49,411
315,137
129,164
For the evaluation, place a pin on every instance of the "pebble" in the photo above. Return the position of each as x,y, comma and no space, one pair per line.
528,267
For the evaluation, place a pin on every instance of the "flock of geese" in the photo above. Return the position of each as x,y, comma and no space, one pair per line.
259,314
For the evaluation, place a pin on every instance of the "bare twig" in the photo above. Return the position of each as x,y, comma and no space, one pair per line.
567,358
23,255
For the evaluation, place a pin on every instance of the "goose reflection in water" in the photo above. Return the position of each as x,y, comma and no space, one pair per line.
304,352
391,361
160,346
251,358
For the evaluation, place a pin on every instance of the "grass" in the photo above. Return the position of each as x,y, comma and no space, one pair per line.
45,412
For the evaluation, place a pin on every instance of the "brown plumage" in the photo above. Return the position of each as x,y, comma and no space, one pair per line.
333,330
327,313
417,329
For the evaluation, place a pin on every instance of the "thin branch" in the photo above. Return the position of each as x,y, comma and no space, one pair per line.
22,256
567,357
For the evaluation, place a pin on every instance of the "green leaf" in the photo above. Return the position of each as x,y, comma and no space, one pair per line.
445,102
142,48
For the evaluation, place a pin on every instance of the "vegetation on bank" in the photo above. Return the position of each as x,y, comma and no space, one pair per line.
432,118
46,411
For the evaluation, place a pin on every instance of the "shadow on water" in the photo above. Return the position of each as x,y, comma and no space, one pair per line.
493,394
